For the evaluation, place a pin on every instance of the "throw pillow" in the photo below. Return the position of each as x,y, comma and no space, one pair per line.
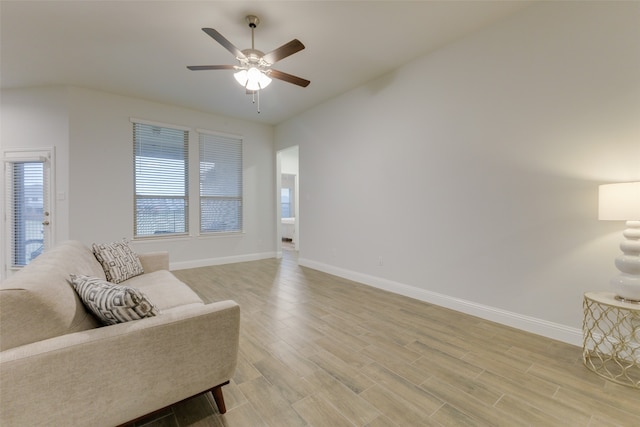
119,260
111,303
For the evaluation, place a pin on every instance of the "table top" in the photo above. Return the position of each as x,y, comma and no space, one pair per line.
609,298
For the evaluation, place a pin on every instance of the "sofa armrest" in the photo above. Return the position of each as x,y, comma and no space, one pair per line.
110,375
154,261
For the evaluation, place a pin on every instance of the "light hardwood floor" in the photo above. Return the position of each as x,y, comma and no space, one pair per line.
318,350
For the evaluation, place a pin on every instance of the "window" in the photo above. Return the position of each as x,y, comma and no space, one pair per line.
27,211
220,183
161,180
287,195
285,202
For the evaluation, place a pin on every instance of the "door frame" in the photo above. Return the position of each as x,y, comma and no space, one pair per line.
279,172
46,155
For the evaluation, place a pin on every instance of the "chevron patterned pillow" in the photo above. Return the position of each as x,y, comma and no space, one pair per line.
118,259
111,303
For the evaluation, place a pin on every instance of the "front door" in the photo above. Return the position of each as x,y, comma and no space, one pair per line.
28,208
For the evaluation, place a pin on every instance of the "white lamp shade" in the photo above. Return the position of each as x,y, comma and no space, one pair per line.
619,202
241,77
252,79
264,80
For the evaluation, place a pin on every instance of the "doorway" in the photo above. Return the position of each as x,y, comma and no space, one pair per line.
288,207
27,206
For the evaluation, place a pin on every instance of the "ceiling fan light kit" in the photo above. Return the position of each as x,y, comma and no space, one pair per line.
252,79
254,71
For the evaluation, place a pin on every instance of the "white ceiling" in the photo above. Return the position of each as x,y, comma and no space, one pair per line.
142,48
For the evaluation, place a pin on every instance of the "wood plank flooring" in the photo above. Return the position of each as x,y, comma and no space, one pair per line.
318,350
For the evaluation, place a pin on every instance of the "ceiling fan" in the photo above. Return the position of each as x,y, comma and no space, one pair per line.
254,70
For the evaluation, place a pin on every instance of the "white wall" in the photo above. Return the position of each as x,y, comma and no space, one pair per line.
471,173
92,134
290,161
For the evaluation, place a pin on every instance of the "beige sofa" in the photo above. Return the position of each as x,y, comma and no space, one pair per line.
58,367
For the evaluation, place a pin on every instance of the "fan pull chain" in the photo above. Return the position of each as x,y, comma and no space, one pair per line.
254,99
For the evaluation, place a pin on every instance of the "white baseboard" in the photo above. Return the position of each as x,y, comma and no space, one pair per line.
534,325
181,265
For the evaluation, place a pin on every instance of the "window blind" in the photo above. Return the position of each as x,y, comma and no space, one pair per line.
27,186
220,183
161,180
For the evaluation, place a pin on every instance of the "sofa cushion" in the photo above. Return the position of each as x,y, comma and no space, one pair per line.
118,259
37,302
111,303
164,289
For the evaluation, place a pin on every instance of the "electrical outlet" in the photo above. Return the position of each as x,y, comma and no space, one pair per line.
380,262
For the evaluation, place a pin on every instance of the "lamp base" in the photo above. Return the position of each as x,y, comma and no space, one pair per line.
627,284
626,288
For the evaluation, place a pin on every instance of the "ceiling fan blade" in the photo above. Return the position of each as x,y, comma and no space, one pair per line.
224,42
289,78
211,67
283,51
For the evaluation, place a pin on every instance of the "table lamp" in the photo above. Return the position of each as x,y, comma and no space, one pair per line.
621,202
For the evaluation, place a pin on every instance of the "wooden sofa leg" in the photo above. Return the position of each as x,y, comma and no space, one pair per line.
218,397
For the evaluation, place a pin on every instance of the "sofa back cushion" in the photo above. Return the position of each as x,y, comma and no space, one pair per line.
38,302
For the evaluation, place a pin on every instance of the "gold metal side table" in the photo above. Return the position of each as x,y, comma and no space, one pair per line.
611,333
